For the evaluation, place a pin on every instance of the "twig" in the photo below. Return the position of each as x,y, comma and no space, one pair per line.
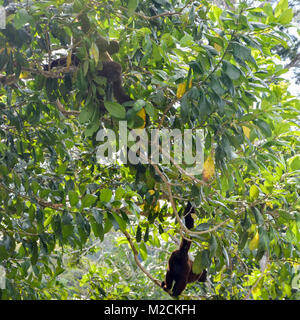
65,112
8,80
57,74
254,286
169,106
219,62
294,62
165,180
41,202
136,254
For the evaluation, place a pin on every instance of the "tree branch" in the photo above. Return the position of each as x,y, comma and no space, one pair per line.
65,112
136,258
294,62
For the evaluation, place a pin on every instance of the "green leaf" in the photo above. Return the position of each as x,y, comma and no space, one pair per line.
160,229
286,16
88,200
83,227
94,52
105,195
213,246
108,224
119,193
225,254
150,110
184,109
143,251
97,228
34,252
56,226
115,109
67,224
196,267
85,67
254,192
204,106
243,240
210,50
264,127
120,221
268,9
49,219
21,18
215,84
132,5
232,71
294,162
241,53
215,12
258,216
281,6
85,114
285,214
201,262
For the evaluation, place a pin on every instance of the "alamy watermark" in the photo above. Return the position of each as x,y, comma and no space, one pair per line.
140,146
2,18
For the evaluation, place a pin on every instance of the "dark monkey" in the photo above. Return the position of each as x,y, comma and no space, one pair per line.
179,271
110,69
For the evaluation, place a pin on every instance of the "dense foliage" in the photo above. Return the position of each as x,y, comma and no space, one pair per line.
66,221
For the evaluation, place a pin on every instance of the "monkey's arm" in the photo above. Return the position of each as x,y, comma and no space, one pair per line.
179,286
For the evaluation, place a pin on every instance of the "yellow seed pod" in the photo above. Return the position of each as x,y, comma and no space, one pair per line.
142,114
208,168
253,244
157,207
201,5
269,204
151,192
246,131
24,75
181,89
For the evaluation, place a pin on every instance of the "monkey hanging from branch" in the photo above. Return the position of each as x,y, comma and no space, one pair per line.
179,271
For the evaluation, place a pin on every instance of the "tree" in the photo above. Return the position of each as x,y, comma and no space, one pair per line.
186,65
